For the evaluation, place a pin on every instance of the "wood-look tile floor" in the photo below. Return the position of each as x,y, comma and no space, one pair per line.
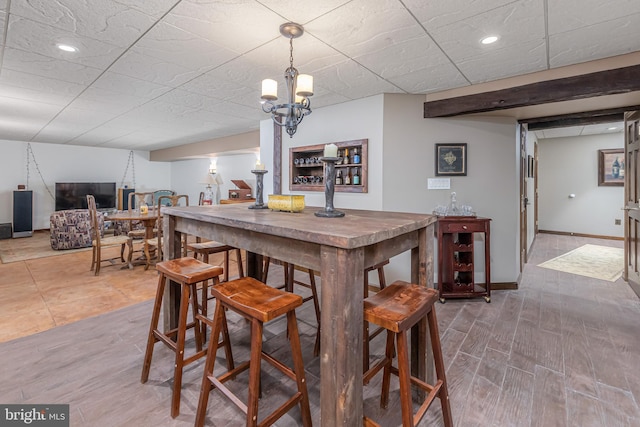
563,350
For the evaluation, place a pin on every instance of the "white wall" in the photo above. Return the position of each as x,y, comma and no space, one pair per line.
570,166
188,176
69,163
399,134
490,187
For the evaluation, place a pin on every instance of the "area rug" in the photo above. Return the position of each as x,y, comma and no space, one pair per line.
599,262
25,248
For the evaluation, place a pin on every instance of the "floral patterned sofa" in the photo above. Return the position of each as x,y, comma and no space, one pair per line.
71,229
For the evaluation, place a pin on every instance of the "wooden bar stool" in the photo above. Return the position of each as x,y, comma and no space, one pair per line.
258,303
187,272
397,308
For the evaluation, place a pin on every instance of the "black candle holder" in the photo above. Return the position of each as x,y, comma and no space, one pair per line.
329,188
259,173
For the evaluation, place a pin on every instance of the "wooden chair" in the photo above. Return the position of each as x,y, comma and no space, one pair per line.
258,303
367,335
187,272
155,243
397,308
98,242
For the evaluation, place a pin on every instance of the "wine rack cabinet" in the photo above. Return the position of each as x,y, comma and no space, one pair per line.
456,277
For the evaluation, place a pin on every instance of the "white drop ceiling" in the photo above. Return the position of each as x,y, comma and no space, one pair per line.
155,74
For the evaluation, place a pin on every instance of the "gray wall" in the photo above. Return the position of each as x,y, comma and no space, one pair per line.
570,166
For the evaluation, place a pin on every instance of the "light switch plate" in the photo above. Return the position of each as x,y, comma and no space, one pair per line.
439,183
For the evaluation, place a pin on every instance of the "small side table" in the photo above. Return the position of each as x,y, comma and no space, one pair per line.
456,257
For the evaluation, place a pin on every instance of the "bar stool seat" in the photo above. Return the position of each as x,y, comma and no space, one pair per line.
187,272
258,303
397,308
205,249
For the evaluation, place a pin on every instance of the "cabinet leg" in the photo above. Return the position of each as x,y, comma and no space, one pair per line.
441,300
487,299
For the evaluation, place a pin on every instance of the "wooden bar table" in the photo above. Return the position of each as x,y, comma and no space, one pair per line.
340,248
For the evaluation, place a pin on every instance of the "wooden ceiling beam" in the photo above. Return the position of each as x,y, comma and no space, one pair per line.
579,119
610,82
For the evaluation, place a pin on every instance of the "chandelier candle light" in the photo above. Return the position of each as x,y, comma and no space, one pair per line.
330,158
290,113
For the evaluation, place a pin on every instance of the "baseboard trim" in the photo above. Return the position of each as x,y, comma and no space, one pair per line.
594,236
504,286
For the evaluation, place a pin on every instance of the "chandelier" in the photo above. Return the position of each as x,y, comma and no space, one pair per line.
290,113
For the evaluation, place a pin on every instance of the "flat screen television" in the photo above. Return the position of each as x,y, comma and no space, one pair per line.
73,195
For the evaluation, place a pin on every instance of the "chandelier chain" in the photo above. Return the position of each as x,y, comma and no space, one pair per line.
291,51
130,161
32,156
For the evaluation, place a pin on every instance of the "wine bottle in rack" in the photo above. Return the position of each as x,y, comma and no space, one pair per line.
339,177
356,176
356,157
347,177
345,159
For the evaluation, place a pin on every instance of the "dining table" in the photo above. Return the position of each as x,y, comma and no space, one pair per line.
148,219
340,249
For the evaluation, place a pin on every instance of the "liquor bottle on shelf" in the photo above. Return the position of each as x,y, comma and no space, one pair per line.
356,157
345,159
347,177
339,178
356,176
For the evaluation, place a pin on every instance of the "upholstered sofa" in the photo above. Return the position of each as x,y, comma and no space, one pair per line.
71,229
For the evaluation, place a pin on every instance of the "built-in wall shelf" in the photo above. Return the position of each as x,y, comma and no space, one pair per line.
306,170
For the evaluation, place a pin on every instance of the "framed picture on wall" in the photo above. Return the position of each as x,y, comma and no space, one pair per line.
451,159
611,167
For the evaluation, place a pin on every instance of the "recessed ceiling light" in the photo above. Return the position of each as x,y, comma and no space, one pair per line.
612,128
489,40
67,48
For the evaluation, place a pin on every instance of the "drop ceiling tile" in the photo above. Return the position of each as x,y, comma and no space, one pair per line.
103,20
108,101
515,24
129,85
154,8
404,58
58,69
22,119
213,85
3,18
37,89
35,37
291,10
3,4
605,39
509,61
71,123
432,79
172,44
436,14
100,135
562,132
353,81
379,24
246,23
324,98
570,15
154,70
